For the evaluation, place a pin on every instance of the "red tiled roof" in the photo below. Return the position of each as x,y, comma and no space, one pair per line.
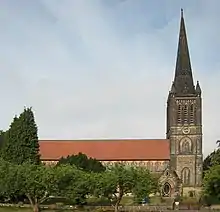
107,150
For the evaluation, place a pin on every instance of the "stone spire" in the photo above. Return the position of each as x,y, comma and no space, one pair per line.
183,80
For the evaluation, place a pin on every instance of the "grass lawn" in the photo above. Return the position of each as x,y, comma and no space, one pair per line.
7,209
126,201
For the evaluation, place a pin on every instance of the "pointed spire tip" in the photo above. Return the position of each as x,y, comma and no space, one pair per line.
183,72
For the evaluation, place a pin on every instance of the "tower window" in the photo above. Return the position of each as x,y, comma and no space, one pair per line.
192,113
179,114
185,111
185,176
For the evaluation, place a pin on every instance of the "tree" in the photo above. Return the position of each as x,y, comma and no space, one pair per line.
21,140
207,163
211,182
215,158
121,179
36,182
104,184
76,186
81,161
218,143
7,148
212,159
2,134
8,173
39,182
145,183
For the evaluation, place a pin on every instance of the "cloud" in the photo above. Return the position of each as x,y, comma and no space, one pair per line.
103,70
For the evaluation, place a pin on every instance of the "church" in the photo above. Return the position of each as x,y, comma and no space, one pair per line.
177,158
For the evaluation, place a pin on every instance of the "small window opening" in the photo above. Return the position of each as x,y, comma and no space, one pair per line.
192,114
179,115
185,114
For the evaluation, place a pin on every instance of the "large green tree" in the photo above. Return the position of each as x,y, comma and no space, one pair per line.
76,186
212,159
81,161
39,182
21,140
121,179
145,183
208,162
211,183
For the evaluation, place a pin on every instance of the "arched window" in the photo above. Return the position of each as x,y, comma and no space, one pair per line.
185,113
166,189
185,176
179,114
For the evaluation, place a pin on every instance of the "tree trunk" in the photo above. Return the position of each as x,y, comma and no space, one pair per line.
36,208
116,206
118,201
34,203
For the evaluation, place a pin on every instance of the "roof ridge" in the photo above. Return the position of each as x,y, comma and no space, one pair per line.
125,139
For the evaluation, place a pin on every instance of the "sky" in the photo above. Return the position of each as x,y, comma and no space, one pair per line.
103,69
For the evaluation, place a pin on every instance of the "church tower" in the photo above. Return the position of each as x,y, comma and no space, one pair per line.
184,118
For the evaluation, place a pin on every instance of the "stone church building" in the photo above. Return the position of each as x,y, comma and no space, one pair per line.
178,158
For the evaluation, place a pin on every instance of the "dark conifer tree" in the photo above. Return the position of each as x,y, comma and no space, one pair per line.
21,140
82,162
